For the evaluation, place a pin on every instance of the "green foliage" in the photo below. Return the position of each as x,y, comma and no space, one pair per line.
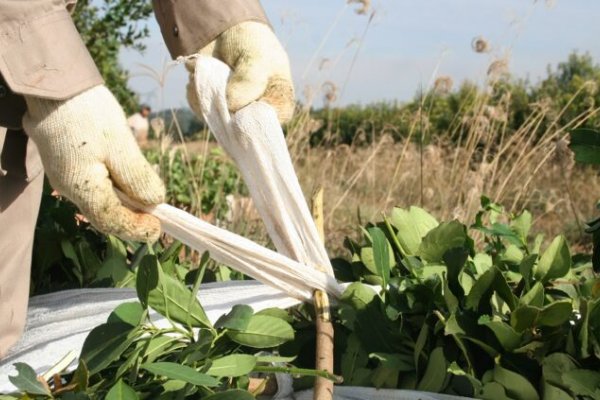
196,183
130,357
69,253
493,324
508,319
105,28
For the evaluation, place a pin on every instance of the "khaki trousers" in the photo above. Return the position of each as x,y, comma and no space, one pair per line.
21,183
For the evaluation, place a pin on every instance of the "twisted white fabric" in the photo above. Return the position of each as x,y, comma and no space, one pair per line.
254,139
276,270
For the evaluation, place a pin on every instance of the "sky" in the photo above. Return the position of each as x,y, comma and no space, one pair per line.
402,48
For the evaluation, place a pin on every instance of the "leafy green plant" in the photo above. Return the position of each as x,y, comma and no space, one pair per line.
198,183
131,356
514,321
486,311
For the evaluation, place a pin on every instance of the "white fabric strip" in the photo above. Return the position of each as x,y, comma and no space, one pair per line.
254,139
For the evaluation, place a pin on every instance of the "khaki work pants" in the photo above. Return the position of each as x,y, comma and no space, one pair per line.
21,184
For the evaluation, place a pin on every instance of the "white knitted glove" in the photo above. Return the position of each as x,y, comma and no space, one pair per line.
87,150
260,69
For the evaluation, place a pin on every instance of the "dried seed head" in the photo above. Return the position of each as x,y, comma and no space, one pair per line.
564,156
363,9
309,96
329,90
480,45
158,126
495,113
443,85
324,63
590,87
549,3
498,69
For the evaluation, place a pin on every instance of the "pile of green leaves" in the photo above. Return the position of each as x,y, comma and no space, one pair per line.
131,357
514,321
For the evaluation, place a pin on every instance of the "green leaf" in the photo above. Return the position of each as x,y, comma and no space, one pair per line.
522,225
158,346
237,319
263,331
446,236
235,394
555,262
503,290
26,380
121,391
512,255
354,359
480,289
535,296
171,298
382,254
367,257
506,335
556,314
232,365
526,267
524,317
181,373
482,262
412,226
369,323
389,368
455,260
147,278
583,382
71,254
81,376
128,313
436,372
494,391
420,344
585,143
456,370
104,344
553,393
555,365
516,386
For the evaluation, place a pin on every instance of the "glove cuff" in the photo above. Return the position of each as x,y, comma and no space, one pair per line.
39,108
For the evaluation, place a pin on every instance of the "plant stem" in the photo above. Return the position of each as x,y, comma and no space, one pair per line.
298,371
324,327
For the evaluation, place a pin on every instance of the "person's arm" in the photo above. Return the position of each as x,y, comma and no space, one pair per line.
238,33
77,124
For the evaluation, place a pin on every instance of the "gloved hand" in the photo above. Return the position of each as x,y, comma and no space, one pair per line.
87,150
260,69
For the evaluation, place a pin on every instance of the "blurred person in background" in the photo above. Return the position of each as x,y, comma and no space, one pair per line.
139,125
63,120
